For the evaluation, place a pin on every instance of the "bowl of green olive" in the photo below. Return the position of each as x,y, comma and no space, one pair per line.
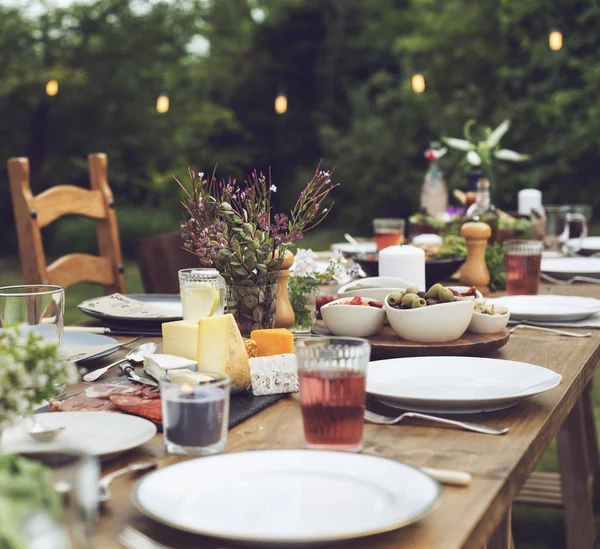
439,315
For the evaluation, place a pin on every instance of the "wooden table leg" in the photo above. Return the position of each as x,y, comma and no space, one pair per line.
502,537
573,455
592,442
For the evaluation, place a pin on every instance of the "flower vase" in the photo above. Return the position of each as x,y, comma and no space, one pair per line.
305,310
253,307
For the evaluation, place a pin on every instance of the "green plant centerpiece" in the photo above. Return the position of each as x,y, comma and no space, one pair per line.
29,369
232,227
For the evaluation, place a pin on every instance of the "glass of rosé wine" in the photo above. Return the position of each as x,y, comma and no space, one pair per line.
388,232
522,262
332,372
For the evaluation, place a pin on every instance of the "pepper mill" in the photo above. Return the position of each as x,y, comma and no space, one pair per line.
474,272
284,314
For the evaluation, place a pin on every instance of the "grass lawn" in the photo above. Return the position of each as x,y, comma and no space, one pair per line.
534,528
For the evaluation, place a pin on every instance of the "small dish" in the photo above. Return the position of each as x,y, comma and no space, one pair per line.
352,320
375,287
489,324
432,324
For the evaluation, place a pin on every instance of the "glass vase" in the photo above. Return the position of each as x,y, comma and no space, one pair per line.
253,307
305,310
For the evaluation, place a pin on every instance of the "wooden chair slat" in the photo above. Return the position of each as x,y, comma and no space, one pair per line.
68,200
73,268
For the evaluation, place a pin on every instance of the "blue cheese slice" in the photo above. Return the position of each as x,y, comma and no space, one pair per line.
272,375
158,365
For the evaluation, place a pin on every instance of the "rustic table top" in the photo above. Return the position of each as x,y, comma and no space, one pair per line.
466,516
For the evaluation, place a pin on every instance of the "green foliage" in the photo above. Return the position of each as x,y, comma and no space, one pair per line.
494,259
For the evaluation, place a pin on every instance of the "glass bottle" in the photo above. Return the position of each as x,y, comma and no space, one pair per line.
483,209
434,191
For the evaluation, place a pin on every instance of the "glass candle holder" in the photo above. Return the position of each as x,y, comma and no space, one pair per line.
388,232
522,262
332,374
196,417
202,293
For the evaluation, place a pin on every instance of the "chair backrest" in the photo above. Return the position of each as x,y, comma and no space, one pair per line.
159,258
33,213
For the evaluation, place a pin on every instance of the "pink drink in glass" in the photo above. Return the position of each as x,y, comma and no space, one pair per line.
522,261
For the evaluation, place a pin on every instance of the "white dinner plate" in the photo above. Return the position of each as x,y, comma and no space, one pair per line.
94,345
551,308
104,434
453,385
590,244
287,497
566,267
347,248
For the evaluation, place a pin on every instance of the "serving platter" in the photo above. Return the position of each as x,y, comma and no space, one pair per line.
87,346
287,497
386,344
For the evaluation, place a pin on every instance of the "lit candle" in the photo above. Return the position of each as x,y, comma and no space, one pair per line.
406,262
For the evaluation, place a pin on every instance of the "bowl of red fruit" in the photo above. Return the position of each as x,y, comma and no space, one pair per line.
353,316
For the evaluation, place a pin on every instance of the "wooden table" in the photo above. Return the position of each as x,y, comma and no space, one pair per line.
476,517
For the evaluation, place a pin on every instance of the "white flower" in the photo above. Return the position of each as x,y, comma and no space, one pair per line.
473,158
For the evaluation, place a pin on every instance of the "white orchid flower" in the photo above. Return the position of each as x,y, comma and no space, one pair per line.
459,144
512,156
473,158
495,136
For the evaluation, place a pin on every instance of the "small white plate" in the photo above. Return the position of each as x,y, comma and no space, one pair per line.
571,266
454,385
590,244
84,342
551,308
347,248
102,434
287,497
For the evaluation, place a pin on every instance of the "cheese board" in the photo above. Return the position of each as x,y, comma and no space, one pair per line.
386,344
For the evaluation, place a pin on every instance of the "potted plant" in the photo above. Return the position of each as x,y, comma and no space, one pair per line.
232,227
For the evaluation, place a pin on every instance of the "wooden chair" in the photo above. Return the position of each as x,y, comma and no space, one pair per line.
33,213
159,258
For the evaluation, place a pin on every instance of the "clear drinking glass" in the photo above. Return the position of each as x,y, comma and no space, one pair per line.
388,232
522,262
40,308
196,418
332,374
202,293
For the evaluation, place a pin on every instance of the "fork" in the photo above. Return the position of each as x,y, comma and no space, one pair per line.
577,278
551,330
372,417
133,539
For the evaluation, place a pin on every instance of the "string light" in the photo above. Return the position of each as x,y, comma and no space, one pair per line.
555,40
418,83
162,103
52,88
281,103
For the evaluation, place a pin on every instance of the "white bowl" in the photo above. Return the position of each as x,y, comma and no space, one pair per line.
488,324
384,285
352,320
432,324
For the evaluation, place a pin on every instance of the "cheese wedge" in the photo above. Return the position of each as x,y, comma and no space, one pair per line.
277,341
187,376
180,338
159,365
221,349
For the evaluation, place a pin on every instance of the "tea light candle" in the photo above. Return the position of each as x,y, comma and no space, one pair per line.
407,262
530,199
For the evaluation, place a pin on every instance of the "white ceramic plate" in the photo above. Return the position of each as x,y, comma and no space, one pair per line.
571,266
590,243
551,308
87,342
452,384
287,497
102,434
347,248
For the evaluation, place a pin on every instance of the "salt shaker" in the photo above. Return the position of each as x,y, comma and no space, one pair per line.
474,272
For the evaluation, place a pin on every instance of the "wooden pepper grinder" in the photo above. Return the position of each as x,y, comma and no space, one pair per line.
474,272
284,314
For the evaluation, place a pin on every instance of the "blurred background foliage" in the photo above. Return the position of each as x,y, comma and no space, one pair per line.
345,66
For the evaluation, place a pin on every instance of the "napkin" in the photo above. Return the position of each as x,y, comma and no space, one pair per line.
592,321
121,305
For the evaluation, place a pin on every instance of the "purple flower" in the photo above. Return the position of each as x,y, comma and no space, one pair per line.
325,210
273,188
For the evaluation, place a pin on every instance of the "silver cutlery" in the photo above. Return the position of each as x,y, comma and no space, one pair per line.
136,356
127,369
372,417
577,278
133,539
551,330
446,476
42,433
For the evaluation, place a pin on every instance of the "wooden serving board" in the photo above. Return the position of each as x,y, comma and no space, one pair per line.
386,344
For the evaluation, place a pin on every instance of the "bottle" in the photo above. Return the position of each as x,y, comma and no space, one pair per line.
434,191
483,210
474,175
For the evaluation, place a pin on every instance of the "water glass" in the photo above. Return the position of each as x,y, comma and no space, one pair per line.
202,293
196,417
332,374
388,232
522,262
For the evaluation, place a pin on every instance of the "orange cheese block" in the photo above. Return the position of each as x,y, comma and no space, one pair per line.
277,341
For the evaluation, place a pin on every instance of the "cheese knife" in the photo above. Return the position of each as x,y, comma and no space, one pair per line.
127,369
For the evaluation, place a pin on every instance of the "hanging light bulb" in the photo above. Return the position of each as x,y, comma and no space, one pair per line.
418,83
555,40
52,88
162,103
281,103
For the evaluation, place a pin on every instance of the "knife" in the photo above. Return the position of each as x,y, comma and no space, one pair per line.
127,369
113,331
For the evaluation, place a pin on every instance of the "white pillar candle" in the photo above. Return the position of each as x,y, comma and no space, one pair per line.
530,199
406,262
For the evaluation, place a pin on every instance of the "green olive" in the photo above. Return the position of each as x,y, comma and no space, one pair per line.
412,290
446,295
395,298
418,303
408,299
434,291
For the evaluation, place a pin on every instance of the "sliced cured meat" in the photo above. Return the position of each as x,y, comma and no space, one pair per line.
121,387
81,403
149,409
